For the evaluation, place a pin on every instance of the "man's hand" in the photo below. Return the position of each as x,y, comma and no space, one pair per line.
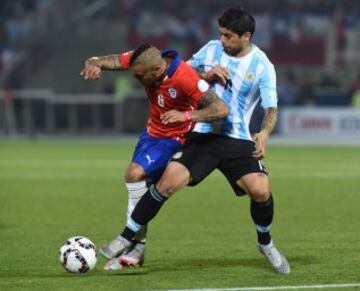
218,74
172,116
261,140
91,71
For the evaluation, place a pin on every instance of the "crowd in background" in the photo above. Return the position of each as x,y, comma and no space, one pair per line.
295,34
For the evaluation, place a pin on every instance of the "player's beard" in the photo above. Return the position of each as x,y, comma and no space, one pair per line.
233,51
154,82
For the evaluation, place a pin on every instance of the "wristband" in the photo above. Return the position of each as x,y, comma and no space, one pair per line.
188,115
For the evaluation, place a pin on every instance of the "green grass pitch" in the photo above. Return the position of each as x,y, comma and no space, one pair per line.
203,236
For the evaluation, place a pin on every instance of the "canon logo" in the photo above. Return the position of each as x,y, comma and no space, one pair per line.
296,122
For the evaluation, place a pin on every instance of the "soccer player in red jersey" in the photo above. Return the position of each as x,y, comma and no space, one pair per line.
178,98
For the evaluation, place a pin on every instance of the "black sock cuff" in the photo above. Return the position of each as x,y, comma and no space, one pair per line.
262,213
148,206
263,204
156,194
128,233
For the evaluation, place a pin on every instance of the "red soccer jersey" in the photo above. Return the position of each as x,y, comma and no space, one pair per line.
180,90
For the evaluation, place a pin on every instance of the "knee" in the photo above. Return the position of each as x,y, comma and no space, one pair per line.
174,178
259,194
166,187
134,173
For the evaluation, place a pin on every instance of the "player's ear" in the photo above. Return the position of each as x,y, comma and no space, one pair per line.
247,35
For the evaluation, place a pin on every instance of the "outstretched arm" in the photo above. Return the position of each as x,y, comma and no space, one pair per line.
211,107
261,138
94,66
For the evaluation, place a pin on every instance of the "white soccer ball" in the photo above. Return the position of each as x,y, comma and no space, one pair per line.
78,254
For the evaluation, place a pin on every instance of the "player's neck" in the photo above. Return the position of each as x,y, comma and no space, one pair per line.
244,51
164,66
168,62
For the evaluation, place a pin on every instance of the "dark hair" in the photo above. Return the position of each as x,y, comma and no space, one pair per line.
237,20
137,52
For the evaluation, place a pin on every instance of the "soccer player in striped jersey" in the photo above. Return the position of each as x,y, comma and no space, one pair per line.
178,97
242,75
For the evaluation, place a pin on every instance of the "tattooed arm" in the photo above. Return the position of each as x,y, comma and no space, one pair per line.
94,66
270,119
110,62
210,108
268,125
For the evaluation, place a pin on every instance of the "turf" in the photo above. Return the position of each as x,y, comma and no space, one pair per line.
202,238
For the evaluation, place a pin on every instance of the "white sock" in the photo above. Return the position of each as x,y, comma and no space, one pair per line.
135,192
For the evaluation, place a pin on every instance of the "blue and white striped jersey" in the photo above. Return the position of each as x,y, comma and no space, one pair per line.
252,77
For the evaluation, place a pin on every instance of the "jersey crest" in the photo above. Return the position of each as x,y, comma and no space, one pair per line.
250,77
172,92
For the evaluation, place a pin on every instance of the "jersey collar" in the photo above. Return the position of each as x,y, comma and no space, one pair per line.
174,64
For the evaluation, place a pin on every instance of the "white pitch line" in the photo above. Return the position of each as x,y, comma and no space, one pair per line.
298,287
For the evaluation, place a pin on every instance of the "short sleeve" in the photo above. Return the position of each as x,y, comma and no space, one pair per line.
124,59
197,61
267,87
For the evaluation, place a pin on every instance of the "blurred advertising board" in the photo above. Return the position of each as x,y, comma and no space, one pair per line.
320,121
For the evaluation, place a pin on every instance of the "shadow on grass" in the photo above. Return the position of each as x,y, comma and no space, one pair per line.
72,276
165,266
249,263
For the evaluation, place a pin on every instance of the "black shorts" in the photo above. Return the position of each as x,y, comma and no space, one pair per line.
203,153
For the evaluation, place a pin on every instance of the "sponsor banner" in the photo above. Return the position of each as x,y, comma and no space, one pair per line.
319,121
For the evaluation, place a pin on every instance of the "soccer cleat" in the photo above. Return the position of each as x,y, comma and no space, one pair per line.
135,257
113,264
115,248
276,259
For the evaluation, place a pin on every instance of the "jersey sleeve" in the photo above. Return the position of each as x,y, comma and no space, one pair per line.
124,59
267,87
197,61
193,86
